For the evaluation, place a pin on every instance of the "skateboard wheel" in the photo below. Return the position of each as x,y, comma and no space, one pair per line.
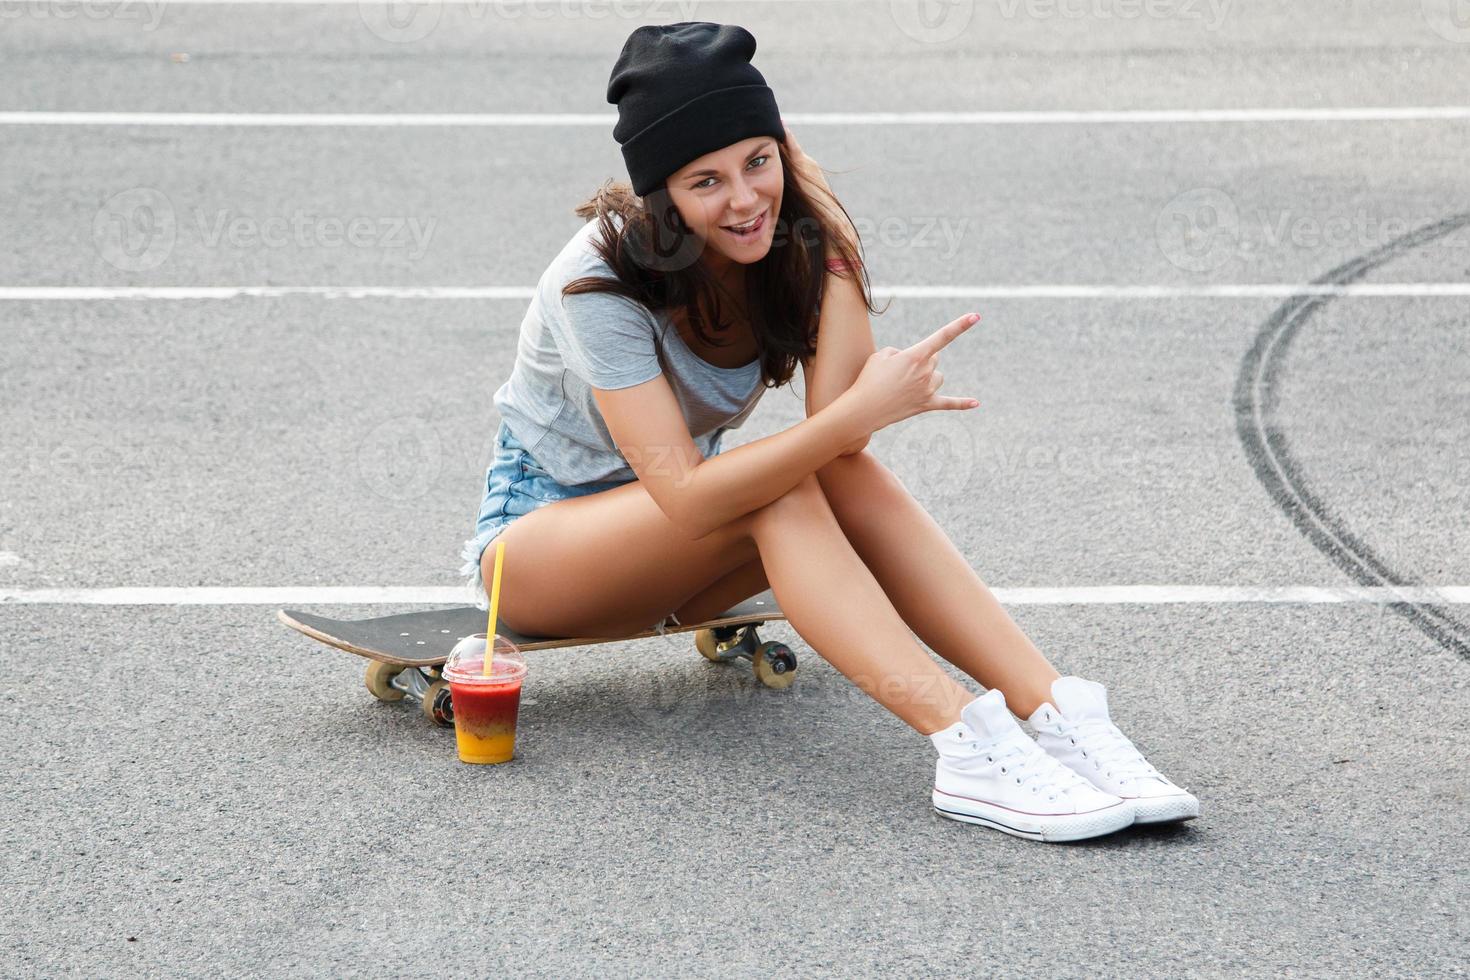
775,665
379,681
725,642
437,705
706,644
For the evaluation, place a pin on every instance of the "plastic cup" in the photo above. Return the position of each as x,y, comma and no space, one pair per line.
485,708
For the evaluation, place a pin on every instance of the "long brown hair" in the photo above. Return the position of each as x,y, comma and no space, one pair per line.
654,254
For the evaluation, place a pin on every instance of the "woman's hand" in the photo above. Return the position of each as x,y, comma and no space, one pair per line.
898,384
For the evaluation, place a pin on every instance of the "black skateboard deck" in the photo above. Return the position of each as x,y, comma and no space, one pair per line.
408,649
418,639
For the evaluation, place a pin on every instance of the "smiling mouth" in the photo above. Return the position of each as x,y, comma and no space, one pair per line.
757,225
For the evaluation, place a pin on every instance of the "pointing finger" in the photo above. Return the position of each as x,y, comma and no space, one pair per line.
937,340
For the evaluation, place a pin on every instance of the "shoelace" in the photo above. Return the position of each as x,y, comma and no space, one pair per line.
1023,760
1110,750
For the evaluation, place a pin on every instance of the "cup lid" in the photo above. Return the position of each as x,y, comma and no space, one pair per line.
466,665
468,658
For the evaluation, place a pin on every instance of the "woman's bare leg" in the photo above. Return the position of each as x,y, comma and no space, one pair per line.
607,564
832,599
612,563
931,584
747,580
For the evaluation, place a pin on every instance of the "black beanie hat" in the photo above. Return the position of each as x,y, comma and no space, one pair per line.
684,90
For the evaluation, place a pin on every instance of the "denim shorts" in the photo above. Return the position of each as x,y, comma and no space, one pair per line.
515,485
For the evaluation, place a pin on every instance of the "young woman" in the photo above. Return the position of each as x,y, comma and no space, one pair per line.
726,263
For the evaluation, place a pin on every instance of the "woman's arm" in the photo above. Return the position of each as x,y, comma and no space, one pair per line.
844,332
844,344
699,495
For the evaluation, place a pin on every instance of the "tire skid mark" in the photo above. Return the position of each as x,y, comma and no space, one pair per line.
1256,400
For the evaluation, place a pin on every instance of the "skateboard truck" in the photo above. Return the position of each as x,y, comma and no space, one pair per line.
423,685
773,662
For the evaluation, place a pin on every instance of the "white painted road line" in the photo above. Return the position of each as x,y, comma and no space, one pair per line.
473,4
1019,596
1270,290
87,293
602,120
1249,290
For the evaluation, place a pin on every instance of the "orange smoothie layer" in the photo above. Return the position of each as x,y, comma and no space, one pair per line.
485,748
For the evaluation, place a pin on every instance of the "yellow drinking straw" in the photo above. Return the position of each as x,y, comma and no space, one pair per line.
494,604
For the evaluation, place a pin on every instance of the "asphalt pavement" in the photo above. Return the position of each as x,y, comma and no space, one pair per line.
194,790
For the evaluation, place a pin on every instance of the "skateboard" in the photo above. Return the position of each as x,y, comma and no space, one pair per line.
407,651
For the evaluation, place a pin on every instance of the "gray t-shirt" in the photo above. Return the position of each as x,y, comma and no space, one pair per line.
569,346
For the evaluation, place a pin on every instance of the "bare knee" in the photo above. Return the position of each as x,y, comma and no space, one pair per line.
797,501
859,462
859,483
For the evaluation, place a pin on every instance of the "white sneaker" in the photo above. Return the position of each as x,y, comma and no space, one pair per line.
1076,729
990,772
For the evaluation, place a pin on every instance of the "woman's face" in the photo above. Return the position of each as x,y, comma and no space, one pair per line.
729,187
